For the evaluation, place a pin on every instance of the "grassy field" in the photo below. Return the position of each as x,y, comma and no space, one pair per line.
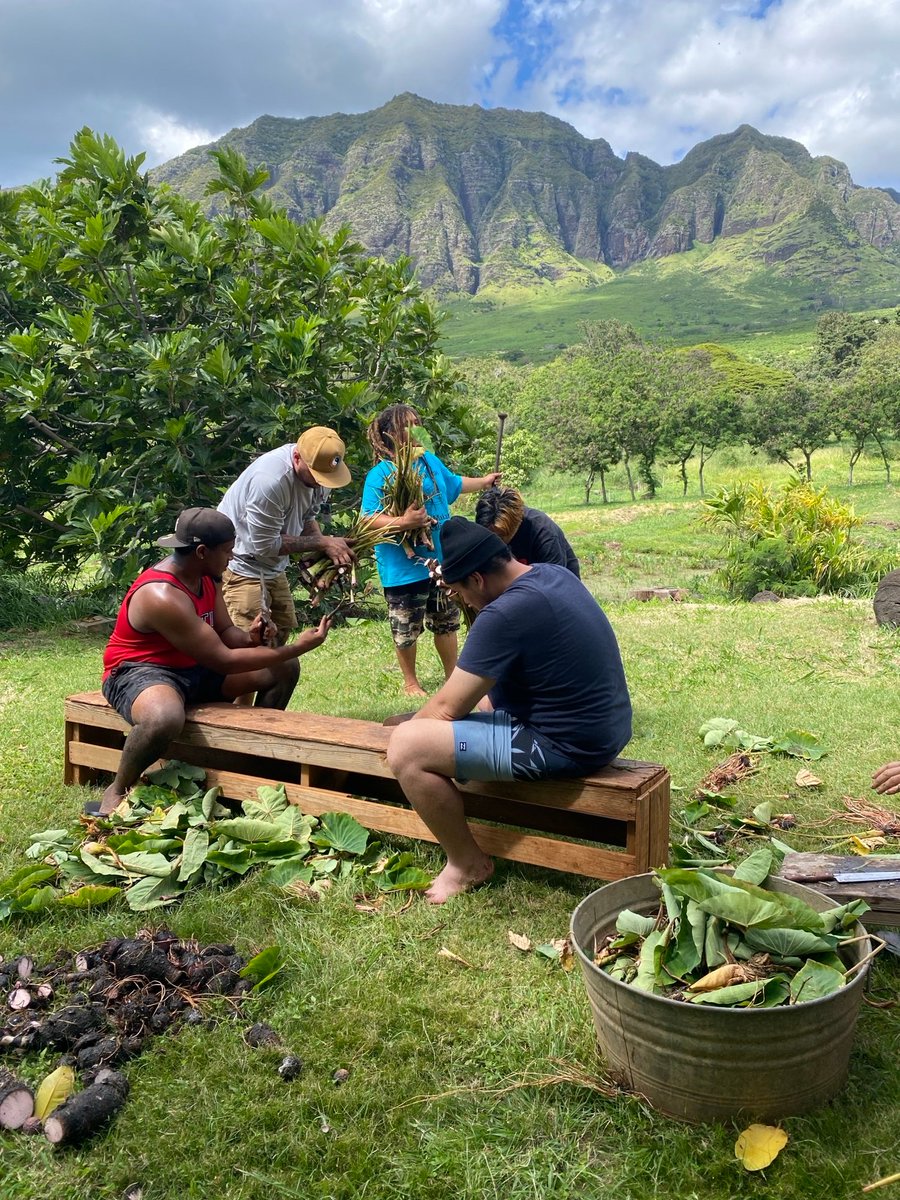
431,1044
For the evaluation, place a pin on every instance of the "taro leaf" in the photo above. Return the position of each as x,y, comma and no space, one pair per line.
47,841
183,778
632,922
718,896
102,866
714,944
35,899
152,797
89,896
141,862
289,870
73,870
815,980
53,1090
830,960
759,1145
324,864
722,731
210,806
776,991
266,851
844,916
271,802
247,829
263,968
340,832
694,812
757,866
737,994
400,874
151,892
793,913
25,878
799,743
737,947
193,854
239,861
683,953
292,823
650,976
624,940
672,902
125,843
787,943
763,813
173,816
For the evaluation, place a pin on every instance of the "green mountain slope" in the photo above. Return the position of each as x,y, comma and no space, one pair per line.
517,207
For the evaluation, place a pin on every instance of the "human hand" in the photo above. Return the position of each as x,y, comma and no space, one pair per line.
314,637
491,480
414,518
262,632
886,780
338,550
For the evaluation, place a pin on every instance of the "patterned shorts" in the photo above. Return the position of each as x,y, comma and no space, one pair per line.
496,746
415,606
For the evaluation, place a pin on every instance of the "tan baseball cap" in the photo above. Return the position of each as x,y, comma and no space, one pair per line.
323,452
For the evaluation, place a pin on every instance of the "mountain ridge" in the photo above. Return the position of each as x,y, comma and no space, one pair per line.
501,201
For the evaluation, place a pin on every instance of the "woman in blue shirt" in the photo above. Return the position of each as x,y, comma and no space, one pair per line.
414,599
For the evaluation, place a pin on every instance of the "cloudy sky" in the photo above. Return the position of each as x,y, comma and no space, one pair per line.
656,76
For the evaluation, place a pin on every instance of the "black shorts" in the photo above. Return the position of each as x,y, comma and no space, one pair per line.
196,685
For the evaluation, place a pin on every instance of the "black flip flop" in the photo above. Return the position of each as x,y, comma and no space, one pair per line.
92,808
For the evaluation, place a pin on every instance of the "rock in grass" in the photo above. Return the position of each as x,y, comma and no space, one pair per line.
290,1067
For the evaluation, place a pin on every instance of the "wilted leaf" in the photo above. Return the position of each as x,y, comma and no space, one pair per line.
721,977
89,896
52,1091
247,829
193,855
806,779
445,953
559,949
150,892
759,1145
143,863
521,941
632,922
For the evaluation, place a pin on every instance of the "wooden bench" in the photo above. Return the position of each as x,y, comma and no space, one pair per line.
335,764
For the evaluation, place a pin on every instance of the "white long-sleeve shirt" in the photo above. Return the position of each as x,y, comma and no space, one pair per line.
265,503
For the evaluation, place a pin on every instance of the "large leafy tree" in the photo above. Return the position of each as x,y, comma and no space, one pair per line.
149,351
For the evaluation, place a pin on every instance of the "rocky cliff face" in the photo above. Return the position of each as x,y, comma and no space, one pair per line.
489,199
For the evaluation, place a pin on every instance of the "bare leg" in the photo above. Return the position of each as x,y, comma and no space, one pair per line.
446,646
158,716
406,657
273,686
420,754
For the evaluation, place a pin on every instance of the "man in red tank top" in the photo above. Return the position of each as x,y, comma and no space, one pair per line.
174,644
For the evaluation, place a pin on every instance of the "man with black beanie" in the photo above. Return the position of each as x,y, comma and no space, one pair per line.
542,666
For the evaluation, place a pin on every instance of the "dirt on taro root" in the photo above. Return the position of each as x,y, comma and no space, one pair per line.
99,1006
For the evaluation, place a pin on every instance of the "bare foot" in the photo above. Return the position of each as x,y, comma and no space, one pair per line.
414,689
453,880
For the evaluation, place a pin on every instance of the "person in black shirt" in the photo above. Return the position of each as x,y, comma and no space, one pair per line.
541,664
530,534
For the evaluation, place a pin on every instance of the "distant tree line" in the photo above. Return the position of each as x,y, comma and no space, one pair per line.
617,400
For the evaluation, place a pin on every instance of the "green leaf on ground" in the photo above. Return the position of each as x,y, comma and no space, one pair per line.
340,832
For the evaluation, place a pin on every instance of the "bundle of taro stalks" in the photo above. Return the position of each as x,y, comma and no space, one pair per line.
98,1007
320,575
404,488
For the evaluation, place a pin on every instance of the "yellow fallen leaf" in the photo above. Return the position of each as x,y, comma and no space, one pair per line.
521,941
445,953
759,1145
721,977
52,1091
807,779
566,957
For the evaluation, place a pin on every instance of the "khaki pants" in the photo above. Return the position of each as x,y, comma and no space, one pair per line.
241,595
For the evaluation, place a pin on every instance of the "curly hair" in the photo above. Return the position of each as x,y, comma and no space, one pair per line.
382,431
501,510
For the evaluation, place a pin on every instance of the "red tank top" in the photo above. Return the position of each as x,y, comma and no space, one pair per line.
128,644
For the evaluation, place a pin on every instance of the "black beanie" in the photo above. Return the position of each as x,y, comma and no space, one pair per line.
466,547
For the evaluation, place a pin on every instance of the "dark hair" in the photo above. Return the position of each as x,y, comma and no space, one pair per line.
501,510
494,564
183,553
382,432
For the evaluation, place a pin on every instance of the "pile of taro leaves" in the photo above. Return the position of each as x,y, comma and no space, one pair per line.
722,939
169,835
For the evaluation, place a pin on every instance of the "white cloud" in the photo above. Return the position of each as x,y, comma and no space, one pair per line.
165,136
659,77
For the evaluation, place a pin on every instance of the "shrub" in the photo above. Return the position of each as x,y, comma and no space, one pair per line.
795,541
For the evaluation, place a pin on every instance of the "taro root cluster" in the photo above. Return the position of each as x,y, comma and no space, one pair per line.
98,1007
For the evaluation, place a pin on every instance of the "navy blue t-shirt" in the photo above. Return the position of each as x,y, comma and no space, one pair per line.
556,663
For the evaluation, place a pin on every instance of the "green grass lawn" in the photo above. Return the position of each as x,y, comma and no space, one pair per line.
208,1117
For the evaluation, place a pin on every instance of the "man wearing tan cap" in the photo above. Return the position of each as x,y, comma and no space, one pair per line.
273,505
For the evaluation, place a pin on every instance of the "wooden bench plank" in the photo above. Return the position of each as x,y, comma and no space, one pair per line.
325,761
